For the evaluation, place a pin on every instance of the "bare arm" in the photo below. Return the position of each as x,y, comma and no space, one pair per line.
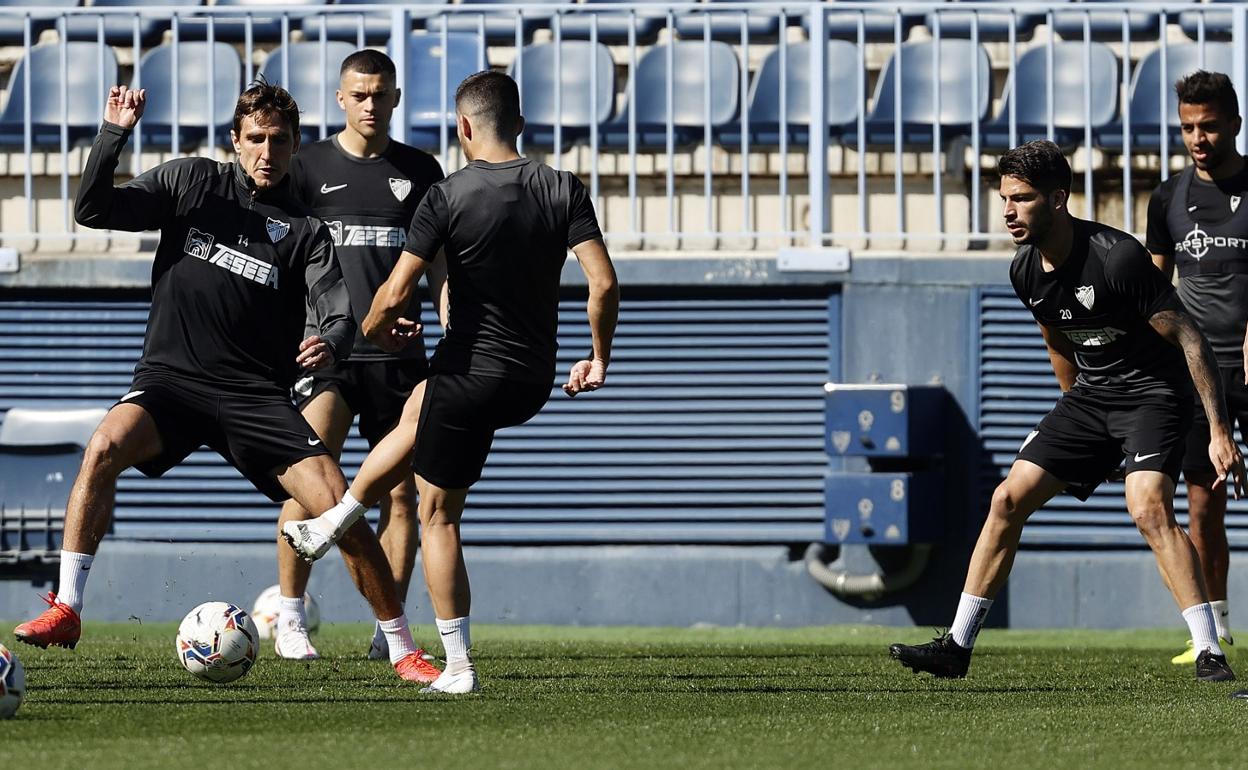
1062,356
1179,330
603,309
384,325
439,290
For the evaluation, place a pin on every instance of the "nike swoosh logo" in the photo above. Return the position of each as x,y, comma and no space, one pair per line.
1035,302
313,443
1192,208
132,394
1139,458
446,633
326,189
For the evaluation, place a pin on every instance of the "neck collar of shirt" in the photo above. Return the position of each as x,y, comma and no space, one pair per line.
247,185
501,164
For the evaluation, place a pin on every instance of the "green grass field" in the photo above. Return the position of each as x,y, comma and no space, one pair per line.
633,697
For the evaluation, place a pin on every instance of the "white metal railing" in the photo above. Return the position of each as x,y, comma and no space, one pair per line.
616,159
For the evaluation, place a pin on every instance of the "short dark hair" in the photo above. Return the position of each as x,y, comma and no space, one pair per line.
265,99
1040,164
368,62
493,99
1201,87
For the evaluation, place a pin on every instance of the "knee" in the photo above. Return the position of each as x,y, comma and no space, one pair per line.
1004,507
1151,518
103,455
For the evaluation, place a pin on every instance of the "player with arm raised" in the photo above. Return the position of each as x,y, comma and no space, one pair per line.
239,261
1125,354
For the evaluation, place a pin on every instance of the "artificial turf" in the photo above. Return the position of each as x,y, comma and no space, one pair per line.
568,698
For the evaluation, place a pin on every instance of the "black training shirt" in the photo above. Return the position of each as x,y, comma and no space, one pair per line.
1217,301
1100,299
234,272
505,229
368,205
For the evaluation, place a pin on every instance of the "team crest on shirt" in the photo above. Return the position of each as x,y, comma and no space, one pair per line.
1086,296
1234,203
277,229
400,187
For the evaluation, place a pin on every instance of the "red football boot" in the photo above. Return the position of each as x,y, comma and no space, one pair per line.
57,626
414,668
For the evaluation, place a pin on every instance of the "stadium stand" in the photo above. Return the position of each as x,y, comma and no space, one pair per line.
119,29
579,106
366,28
68,85
612,26
310,72
1083,19
989,26
37,427
191,113
430,100
258,26
13,26
887,25
498,27
759,26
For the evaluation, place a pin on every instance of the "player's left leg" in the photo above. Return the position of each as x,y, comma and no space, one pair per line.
446,577
399,533
1150,501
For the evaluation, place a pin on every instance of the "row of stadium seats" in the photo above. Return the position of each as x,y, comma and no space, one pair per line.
1068,20
87,69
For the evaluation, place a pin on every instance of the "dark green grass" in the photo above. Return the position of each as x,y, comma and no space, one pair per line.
626,697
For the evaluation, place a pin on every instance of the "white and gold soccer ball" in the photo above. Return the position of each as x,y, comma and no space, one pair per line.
264,612
12,683
217,642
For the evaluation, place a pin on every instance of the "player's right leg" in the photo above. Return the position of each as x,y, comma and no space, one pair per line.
446,577
126,437
330,417
399,533
1025,489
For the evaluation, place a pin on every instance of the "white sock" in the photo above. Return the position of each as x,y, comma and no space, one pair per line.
75,568
379,637
1222,619
456,640
291,611
344,514
1200,623
970,618
398,637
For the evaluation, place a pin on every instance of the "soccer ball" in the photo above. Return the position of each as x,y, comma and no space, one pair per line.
12,683
217,642
264,613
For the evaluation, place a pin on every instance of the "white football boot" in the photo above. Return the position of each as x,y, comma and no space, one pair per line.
290,641
457,679
311,539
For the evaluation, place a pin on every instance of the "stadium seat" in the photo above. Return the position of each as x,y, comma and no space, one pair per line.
193,112
33,427
119,28
539,80
994,26
1105,25
1217,22
499,26
690,111
90,71
958,67
426,110
1147,109
613,27
878,26
13,25
266,26
726,25
375,26
34,489
1031,107
840,97
308,80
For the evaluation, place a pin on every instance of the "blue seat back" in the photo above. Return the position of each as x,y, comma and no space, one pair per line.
689,74
1031,74
539,79
88,74
311,76
423,92
959,63
1148,83
156,69
840,85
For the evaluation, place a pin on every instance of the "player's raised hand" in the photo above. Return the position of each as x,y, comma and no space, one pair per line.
314,353
125,106
586,375
1225,456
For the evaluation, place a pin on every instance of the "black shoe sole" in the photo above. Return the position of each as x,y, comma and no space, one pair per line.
44,645
900,656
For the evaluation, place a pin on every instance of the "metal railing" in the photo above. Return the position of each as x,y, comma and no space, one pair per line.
694,166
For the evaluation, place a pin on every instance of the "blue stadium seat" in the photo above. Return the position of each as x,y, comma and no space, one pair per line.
500,26
613,27
13,26
426,110
958,64
1147,109
726,25
119,28
538,81
1031,108
1217,22
878,26
994,25
193,111
690,110
33,427
1105,25
34,489
308,79
90,71
376,26
840,88
266,26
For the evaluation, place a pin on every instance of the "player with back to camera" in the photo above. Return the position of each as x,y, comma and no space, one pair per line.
239,261
1195,222
505,225
366,187
1126,355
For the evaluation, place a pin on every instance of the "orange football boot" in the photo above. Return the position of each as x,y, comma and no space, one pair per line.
57,626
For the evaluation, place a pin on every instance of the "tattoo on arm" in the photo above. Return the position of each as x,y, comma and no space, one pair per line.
1179,330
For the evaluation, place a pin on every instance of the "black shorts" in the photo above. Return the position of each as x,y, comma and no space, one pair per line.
1086,436
254,433
458,418
375,390
1196,458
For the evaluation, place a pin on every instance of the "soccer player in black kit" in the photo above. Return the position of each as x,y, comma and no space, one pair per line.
239,261
366,187
505,225
1126,355
1197,223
